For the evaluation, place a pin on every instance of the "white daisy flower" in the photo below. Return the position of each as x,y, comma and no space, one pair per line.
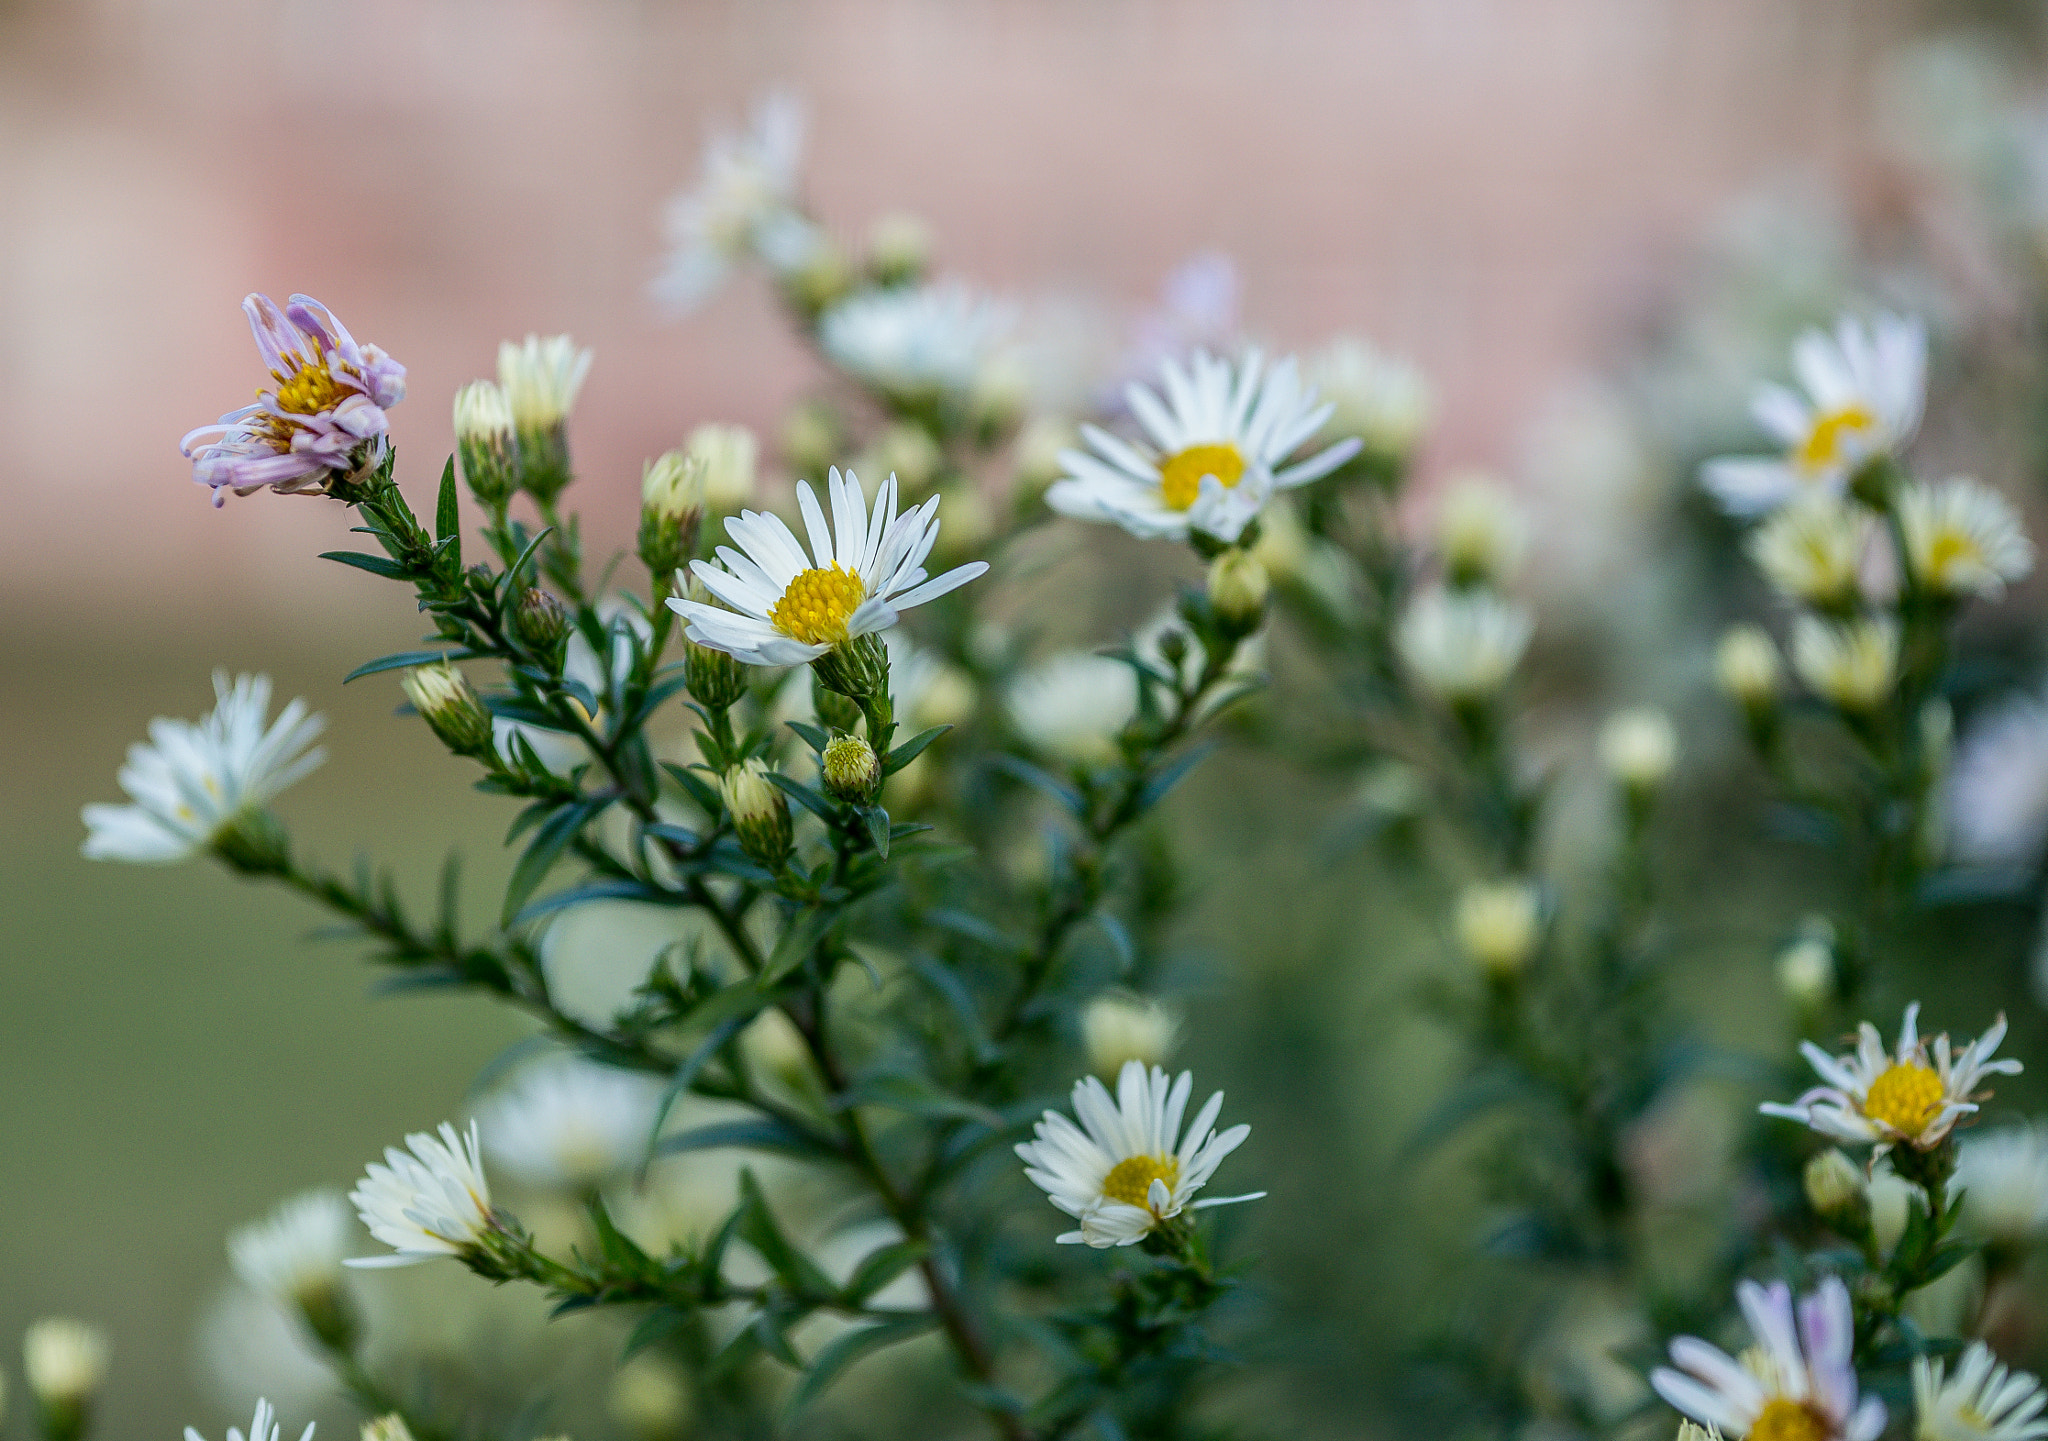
194,780
64,1361
1983,1401
743,202
2004,1174
295,1253
263,1428
1382,399
570,1123
1998,787
1864,389
432,1203
1120,1171
1892,1097
916,340
1795,1384
1218,443
1962,538
1851,663
1463,645
788,607
1073,704
1812,549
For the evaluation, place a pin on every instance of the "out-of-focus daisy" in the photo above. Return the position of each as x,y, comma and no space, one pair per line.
1982,1401
294,1255
1998,787
1072,705
2004,1174
323,418
1463,645
1747,666
263,1428
1498,924
1795,1384
1812,549
195,780
789,607
570,1123
1962,538
1896,1097
1127,1167
1851,663
743,203
1864,385
925,340
1380,398
1119,1028
1219,441
434,1202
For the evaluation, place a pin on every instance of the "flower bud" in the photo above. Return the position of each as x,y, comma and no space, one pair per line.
65,1364
1498,923
384,1428
541,622
1118,1027
1806,969
1837,1189
853,772
1689,1430
1746,666
1851,664
728,453
1638,748
1238,586
443,697
1480,533
540,379
483,439
671,510
899,249
760,813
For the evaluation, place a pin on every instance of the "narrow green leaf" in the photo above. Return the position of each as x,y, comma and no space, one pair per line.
804,796
842,1352
881,1267
805,932
401,659
510,579
878,828
813,736
766,1134
543,851
913,1095
1044,780
655,1326
953,991
1119,940
911,749
760,1230
447,519
698,789
975,928
1169,775
374,564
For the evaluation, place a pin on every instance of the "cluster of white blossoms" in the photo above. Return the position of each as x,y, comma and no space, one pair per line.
744,204
913,341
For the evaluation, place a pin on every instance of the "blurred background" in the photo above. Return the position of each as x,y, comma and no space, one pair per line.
1548,204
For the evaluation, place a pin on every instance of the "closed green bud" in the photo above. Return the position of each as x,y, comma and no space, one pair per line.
443,696
671,510
760,813
713,677
541,622
1238,586
1838,1190
853,772
484,440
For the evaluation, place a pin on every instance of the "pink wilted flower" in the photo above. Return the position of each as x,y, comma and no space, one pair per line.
324,418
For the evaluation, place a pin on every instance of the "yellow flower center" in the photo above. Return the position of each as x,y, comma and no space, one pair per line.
1947,550
817,604
1823,444
1130,1180
1180,474
309,390
1907,1097
1787,1420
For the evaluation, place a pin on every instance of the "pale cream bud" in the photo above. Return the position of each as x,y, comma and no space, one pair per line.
1480,533
1463,645
1835,1185
1119,1027
1638,747
672,485
1812,549
64,1361
1238,587
728,453
1806,971
1746,665
1891,1197
541,379
899,248
1380,398
482,414
1689,1430
773,1044
484,441
760,813
1498,923
852,770
383,1428
443,697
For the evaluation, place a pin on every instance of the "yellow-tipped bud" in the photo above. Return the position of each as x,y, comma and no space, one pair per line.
1498,923
760,813
899,249
1119,1027
445,700
1480,533
853,772
484,440
385,1428
1238,587
1806,967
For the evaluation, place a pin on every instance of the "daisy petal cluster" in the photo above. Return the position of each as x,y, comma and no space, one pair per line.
916,341
1912,1095
1216,447
1128,1167
1864,387
571,1124
1962,538
193,781
865,567
434,1202
1812,549
321,420
1982,1401
1795,1384
263,1428
743,204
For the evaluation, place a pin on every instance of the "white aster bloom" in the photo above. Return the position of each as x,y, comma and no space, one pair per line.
2005,1175
263,1428
570,1123
540,380
1795,1384
1962,538
1811,550
1896,1097
743,203
1463,645
1998,787
1118,1028
295,1253
1380,398
1638,747
1982,1401
193,780
916,340
434,1202
789,607
1120,1172
64,1361
1218,443
1851,663
1072,705
1864,389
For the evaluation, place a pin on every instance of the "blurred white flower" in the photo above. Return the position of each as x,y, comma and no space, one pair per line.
193,781
1811,550
263,1428
1747,666
1998,787
294,1254
1962,538
540,380
1118,1028
1463,645
743,203
434,1202
921,340
1850,663
1498,924
1072,705
2005,1175
1378,397
64,1361
1638,747
247,1346
1982,1401
570,1123
1480,532
1796,1382
728,453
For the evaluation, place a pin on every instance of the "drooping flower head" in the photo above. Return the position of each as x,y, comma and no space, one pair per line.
1795,1384
743,203
1982,1401
263,1428
434,1202
1912,1096
321,420
864,569
1127,1167
914,341
570,1123
1218,445
195,780
1864,385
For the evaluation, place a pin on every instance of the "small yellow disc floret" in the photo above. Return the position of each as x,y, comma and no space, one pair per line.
311,389
1786,1420
817,604
1130,1180
1180,474
1907,1098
